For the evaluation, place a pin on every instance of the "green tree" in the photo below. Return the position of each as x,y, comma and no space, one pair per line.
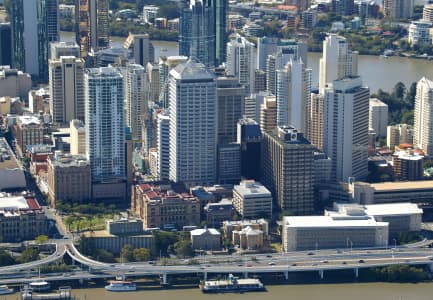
399,90
169,11
141,254
183,248
6,259
28,255
126,254
41,239
104,255
86,245
162,240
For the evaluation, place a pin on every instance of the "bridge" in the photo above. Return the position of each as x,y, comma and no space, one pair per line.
301,261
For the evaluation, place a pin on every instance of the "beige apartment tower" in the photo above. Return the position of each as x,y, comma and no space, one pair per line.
66,81
423,119
268,113
314,120
78,137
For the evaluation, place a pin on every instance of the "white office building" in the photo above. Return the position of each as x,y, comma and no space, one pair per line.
293,94
251,199
423,128
105,127
331,232
241,61
345,130
58,49
337,62
378,117
66,81
193,124
163,145
135,99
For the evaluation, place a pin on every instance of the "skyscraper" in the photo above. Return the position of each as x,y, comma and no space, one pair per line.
314,131
398,9
337,62
34,26
345,129
66,81
231,96
241,61
293,94
197,31
423,128
250,137
268,113
142,48
193,124
5,44
135,99
105,128
92,25
163,145
287,164
221,7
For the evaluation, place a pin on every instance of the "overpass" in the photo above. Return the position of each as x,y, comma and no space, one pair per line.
302,261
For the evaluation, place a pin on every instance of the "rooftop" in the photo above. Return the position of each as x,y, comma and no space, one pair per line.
252,188
202,231
401,185
388,209
192,70
29,120
68,160
332,222
377,102
7,157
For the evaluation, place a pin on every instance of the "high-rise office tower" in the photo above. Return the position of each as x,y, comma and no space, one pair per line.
33,28
142,48
268,113
250,138
345,129
163,145
265,46
105,128
193,124
343,7
197,31
58,49
337,62
293,94
241,61
66,89
152,71
231,96
398,9
221,7
287,164
423,119
286,50
135,100
314,131
5,44
92,25
164,66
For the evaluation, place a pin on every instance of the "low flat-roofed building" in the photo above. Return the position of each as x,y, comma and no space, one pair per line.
124,226
206,239
251,199
11,172
420,192
114,243
21,218
330,232
402,217
217,213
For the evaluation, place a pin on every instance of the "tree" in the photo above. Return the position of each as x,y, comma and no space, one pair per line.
6,259
41,239
104,255
183,248
399,90
161,242
28,255
87,245
126,254
141,254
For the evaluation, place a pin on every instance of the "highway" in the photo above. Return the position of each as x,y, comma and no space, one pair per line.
319,260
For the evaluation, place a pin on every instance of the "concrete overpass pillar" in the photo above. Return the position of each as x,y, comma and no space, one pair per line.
356,272
321,274
164,279
431,267
286,275
81,281
245,274
205,275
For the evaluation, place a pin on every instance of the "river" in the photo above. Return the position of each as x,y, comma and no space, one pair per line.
377,73
352,291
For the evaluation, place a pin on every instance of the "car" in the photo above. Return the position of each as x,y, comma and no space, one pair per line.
151,263
344,262
240,265
112,266
271,263
430,258
249,265
314,264
269,256
324,261
339,251
310,253
361,261
294,265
